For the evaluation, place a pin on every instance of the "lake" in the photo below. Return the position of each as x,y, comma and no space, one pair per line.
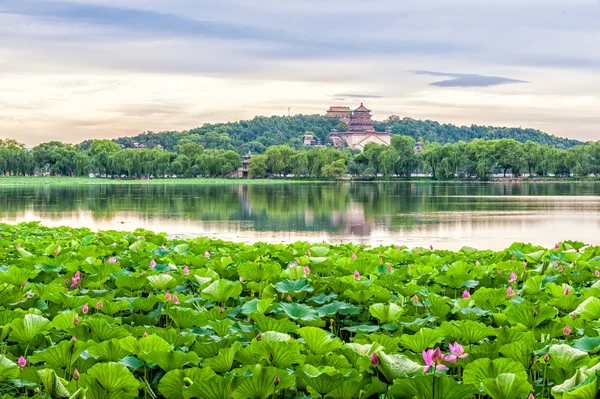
445,215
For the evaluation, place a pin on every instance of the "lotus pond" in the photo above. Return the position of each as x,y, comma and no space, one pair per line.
109,314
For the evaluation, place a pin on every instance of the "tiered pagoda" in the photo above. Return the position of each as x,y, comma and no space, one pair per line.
360,131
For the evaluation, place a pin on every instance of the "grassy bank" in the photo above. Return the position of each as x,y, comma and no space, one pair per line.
126,315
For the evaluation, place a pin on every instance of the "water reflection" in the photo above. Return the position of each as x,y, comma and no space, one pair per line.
447,215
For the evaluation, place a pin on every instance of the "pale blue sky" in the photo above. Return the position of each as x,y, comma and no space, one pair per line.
77,69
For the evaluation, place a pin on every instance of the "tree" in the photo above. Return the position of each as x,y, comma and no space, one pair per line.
100,152
335,170
257,167
389,160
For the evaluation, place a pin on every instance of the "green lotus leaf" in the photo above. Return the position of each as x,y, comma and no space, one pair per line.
260,306
565,357
319,342
425,338
297,311
260,384
145,345
62,355
348,389
16,275
520,351
25,329
79,394
114,377
271,324
529,315
386,313
8,368
131,282
145,304
108,350
175,382
221,290
507,386
589,309
421,387
186,317
296,286
323,379
587,344
224,360
162,282
397,366
170,360
278,349
64,321
335,307
258,271
483,369
215,388
100,330
53,385
533,286
583,385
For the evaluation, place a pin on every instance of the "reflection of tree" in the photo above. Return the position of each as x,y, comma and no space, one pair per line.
347,208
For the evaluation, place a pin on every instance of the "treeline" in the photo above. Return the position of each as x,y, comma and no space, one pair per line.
258,134
476,159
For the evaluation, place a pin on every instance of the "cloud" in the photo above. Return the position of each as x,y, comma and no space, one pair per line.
467,80
357,95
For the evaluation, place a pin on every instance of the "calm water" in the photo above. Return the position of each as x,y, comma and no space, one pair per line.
445,215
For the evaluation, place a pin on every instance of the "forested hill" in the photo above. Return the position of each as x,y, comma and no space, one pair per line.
261,132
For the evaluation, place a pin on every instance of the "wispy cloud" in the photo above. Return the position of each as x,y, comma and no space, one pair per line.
357,95
467,80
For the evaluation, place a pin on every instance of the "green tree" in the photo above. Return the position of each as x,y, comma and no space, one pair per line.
257,167
335,170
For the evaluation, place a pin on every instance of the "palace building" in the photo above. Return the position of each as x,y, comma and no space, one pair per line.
339,112
360,131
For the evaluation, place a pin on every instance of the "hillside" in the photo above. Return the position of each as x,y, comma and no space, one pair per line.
261,132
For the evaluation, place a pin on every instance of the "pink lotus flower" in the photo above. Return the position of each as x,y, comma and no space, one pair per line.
74,282
293,264
353,256
22,362
560,269
99,305
567,330
546,357
175,300
466,294
242,280
513,278
289,298
597,273
85,308
152,264
500,271
28,295
75,374
415,298
75,320
389,267
431,247
397,247
207,255
276,380
77,275
510,292
477,263
531,396
433,358
24,283
168,296
306,270
456,352
356,275
18,245
556,246
145,334
186,270
56,251
73,338
566,291
112,260
375,362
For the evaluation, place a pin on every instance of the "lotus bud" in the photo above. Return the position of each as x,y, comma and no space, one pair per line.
56,251
535,312
597,273
175,300
398,247
207,255
28,295
242,280
567,330
389,267
556,246
356,275
99,305
168,296
431,247
466,294
186,270
306,270
381,261
546,357
276,380
73,338
573,315
24,283
22,362
75,374
510,292
75,320
531,396
477,263
437,356
415,298
112,260
512,278
308,253
85,308
152,264
259,337
222,309
500,271
77,275
566,291
145,334
289,298
560,269
375,362
18,245
353,256
417,251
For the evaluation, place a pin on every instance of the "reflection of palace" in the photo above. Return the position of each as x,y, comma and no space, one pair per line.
360,131
353,220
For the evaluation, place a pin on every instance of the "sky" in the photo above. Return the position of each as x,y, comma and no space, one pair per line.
72,70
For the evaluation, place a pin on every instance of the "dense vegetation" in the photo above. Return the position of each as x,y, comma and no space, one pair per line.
258,134
477,159
123,315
